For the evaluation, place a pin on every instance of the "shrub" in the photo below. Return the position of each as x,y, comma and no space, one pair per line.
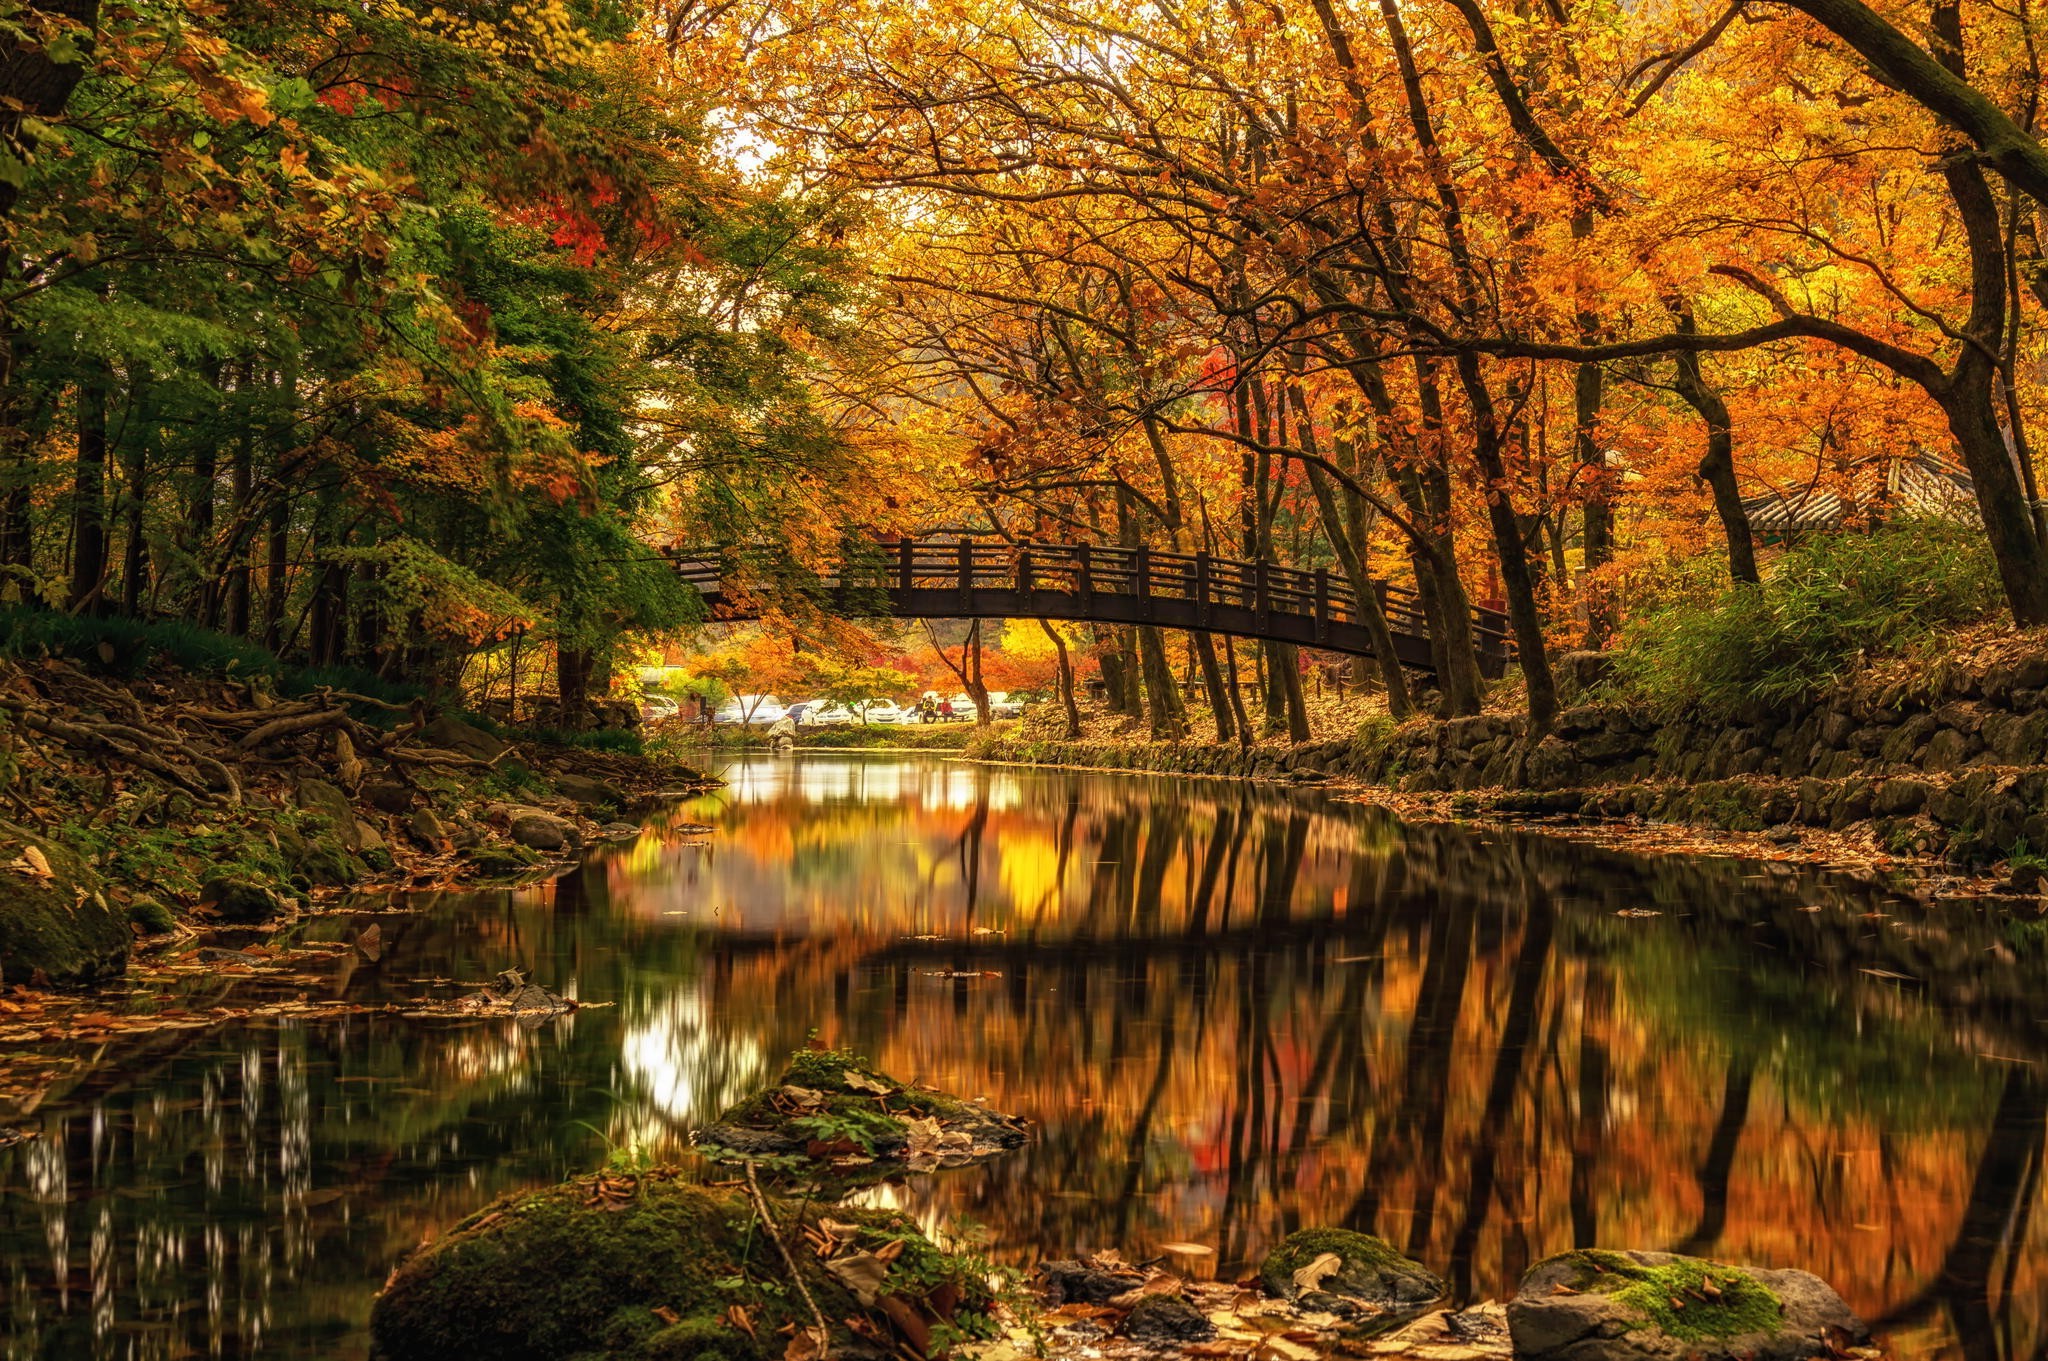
1825,604
130,647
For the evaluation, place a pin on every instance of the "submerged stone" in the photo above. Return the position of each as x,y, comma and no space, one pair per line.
1594,1305
651,1266
1336,1266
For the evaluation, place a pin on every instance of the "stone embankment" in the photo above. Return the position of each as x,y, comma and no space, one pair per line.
1947,761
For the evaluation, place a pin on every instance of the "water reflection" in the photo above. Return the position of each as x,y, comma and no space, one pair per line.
1234,1011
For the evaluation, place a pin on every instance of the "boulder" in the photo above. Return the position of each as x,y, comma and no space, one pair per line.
1167,1318
389,796
1365,1271
538,831
243,902
589,792
450,733
1593,1305
330,803
54,920
426,827
639,1268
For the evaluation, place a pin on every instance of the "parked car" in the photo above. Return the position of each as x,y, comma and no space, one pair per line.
752,709
827,714
799,712
965,710
873,711
1000,705
658,708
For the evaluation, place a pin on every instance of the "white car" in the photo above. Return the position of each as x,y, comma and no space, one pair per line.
872,711
751,709
659,708
827,715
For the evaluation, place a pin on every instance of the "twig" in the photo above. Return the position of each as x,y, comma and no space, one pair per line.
768,1222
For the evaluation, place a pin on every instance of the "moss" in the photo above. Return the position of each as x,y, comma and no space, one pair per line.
637,1269
1373,1269
508,858
57,925
152,916
1686,1298
1298,1249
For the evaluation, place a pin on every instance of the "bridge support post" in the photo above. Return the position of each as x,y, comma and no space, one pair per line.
1141,585
1024,574
906,563
967,575
1084,578
1262,595
1322,604
1202,588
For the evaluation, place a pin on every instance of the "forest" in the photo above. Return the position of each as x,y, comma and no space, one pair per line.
378,338
1562,475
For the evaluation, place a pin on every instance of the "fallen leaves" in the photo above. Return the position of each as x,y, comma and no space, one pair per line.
33,863
1312,1276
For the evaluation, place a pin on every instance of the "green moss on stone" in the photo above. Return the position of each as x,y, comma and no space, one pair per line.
567,1273
152,916
1686,1298
1373,1269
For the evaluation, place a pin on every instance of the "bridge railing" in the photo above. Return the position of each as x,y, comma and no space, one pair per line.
1082,570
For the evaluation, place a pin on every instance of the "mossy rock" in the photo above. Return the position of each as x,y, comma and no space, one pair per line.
1369,1272
57,925
500,859
152,916
1599,1305
830,1107
646,1268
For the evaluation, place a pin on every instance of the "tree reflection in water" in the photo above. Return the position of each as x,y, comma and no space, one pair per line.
1234,1011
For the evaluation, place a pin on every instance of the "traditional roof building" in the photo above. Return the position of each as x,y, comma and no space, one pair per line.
1876,489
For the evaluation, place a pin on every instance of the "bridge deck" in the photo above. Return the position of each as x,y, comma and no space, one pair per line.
969,579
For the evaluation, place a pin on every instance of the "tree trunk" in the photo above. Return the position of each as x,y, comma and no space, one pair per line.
89,487
1065,680
1717,465
240,486
1169,714
1217,687
572,686
277,564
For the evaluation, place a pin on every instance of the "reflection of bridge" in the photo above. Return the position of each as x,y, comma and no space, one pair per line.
966,579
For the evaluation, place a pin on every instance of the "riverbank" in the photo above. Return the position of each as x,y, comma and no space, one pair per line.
1905,761
143,807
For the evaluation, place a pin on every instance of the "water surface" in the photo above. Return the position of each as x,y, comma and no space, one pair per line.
1233,1010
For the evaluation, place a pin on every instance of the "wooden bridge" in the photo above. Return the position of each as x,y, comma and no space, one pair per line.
965,578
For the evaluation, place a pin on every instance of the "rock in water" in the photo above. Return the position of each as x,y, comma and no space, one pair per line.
1328,1267
829,1106
244,901
54,921
649,1268
542,832
1594,1305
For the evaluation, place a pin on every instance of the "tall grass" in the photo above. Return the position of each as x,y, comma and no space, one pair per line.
1825,605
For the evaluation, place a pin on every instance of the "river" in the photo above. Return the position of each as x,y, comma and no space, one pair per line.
1231,1009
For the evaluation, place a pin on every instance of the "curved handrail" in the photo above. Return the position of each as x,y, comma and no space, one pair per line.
966,576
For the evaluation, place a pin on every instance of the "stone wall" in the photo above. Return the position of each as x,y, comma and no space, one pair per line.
1954,762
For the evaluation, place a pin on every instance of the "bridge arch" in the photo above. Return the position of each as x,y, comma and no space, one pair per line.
965,578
